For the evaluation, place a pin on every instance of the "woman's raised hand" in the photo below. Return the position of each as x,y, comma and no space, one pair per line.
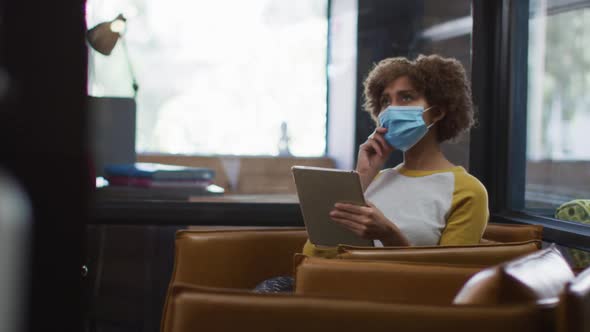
373,154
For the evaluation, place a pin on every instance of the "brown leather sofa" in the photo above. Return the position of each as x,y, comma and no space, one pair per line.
222,258
241,257
528,303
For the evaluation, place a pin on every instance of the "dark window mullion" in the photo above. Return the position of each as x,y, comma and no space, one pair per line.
491,87
518,92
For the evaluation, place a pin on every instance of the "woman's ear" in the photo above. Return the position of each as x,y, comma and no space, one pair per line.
439,114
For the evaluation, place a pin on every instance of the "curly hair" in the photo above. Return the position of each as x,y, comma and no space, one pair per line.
442,82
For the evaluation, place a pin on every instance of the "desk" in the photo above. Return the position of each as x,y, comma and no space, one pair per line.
248,199
227,210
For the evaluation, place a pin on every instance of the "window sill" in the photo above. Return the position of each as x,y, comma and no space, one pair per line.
562,232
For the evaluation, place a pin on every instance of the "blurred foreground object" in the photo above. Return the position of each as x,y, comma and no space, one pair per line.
15,218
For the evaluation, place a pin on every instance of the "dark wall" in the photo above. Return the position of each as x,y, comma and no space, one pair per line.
129,272
390,28
42,144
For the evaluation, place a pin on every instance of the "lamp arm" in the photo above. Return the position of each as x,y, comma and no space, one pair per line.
135,86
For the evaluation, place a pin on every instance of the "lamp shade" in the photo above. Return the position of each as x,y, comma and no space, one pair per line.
104,36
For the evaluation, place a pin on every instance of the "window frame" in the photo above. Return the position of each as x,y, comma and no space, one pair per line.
498,144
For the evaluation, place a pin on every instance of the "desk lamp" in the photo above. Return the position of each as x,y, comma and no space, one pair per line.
103,38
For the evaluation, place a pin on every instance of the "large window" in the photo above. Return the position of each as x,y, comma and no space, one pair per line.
558,105
531,73
228,77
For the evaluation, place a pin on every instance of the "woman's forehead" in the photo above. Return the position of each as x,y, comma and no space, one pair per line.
401,83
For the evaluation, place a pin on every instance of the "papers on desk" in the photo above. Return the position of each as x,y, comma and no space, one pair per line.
158,181
126,193
156,171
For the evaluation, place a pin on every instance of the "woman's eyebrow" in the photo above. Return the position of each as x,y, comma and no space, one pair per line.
410,91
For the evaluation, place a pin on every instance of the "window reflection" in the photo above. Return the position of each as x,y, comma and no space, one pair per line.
558,153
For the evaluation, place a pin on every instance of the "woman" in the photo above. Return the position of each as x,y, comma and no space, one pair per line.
426,200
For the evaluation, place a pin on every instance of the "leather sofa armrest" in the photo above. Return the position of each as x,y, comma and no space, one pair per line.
575,304
235,258
539,277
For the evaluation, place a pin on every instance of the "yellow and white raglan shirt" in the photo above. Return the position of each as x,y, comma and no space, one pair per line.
441,207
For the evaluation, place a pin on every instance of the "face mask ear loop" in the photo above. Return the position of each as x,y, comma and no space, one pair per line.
428,109
432,124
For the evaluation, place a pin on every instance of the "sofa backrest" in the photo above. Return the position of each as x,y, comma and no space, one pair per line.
477,255
512,233
393,282
204,309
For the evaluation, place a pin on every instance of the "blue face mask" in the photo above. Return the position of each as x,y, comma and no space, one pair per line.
405,125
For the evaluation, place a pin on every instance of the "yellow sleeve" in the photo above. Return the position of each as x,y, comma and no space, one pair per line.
469,212
311,250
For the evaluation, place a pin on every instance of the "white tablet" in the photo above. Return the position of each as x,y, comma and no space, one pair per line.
318,190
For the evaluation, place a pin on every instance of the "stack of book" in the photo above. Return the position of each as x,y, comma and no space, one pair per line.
159,181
